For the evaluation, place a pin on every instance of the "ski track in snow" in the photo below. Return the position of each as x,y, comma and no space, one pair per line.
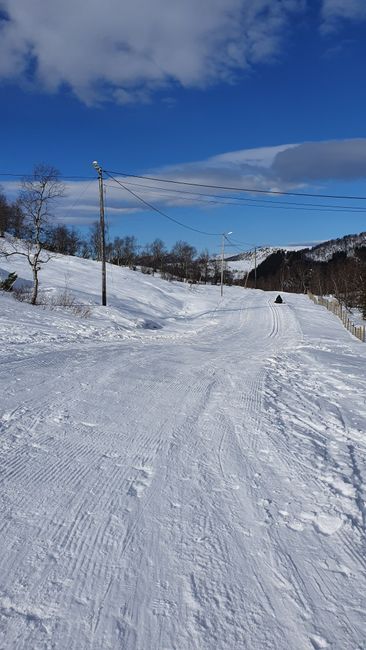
187,490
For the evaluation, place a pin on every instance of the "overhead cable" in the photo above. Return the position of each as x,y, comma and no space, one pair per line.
255,203
251,190
163,214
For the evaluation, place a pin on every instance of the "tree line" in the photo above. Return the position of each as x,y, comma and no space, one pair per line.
343,275
182,261
29,220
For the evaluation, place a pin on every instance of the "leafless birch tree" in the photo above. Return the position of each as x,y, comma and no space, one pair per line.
38,195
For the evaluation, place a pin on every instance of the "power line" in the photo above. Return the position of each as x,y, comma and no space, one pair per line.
251,190
163,214
86,178
237,244
286,204
246,243
80,196
257,203
240,189
263,205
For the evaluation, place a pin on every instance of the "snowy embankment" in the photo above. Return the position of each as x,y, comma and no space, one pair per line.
180,471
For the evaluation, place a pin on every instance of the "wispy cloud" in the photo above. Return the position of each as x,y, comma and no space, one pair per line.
281,168
334,12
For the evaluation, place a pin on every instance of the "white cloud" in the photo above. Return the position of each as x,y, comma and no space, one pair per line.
125,49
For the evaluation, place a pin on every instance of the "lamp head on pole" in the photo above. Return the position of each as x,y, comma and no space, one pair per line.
97,166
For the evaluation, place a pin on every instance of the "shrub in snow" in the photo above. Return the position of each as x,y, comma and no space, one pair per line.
7,284
63,299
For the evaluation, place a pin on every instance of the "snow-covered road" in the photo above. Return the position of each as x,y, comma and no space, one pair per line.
187,489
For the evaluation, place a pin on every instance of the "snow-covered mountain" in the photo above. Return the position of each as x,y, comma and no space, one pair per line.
243,263
325,251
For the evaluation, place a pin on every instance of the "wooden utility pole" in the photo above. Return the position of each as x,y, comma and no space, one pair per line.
255,267
222,263
102,232
222,259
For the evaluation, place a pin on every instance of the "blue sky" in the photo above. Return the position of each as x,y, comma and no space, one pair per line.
206,91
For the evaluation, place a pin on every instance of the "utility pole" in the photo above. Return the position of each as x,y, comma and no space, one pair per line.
102,231
222,260
222,263
255,267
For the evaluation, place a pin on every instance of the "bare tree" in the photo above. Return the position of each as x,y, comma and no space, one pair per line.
16,220
62,239
158,253
204,265
117,253
129,250
183,254
4,214
95,241
38,195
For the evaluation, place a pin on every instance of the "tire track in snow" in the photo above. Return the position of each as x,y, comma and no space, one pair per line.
316,428
200,591
274,320
306,607
252,395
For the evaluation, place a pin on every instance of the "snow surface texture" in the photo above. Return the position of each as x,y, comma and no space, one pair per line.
179,471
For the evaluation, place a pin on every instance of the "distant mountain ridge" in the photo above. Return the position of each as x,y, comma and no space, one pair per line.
244,262
347,244
336,267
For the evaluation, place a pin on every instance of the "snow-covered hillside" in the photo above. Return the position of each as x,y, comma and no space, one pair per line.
325,251
243,263
179,471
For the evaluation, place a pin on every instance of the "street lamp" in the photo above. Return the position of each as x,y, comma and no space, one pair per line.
99,170
224,234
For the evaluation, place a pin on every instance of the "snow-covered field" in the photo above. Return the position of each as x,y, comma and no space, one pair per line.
179,471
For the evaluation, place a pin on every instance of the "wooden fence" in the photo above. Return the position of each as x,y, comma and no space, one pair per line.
336,308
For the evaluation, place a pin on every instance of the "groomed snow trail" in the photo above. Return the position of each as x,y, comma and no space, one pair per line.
188,491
